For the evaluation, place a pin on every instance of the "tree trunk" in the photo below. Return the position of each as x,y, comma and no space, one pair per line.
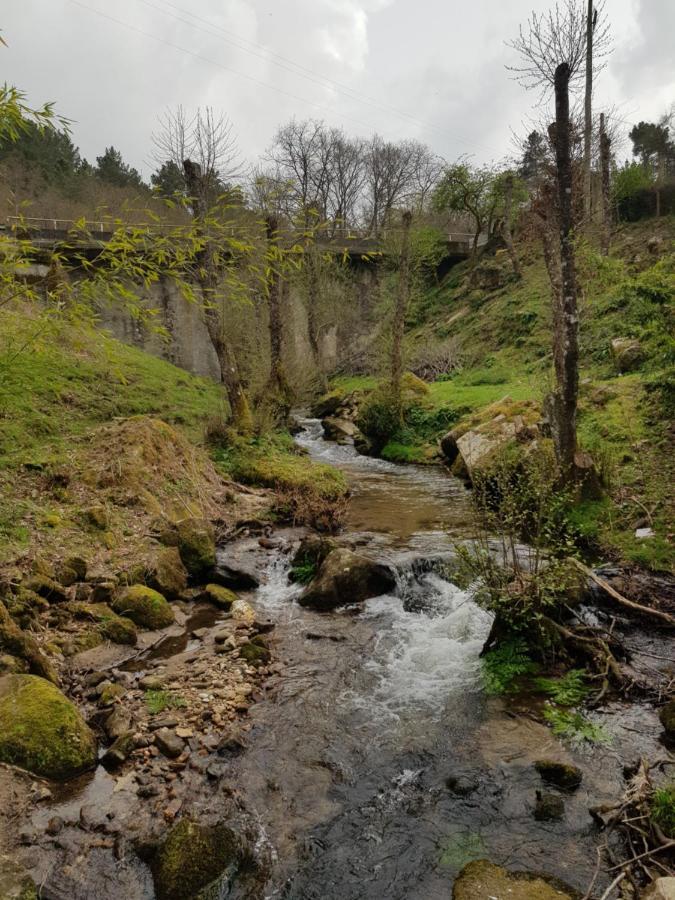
588,113
312,310
208,283
565,336
398,330
278,383
508,236
605,144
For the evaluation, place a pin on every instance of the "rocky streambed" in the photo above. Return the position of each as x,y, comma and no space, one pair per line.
354,754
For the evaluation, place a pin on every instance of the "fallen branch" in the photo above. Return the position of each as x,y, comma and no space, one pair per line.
620,599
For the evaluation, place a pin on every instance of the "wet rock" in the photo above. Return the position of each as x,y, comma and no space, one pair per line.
169,743
338,429
562,775
144,606
119,751
448,444
163,722
41,730
192,857
235,574
548,807
461,784
312,551
46,587
667,718
231,744
481,880
343,578
255,653
197,546
219,596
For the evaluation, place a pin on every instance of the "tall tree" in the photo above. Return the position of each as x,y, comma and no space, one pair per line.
471,191
111,168
200,191
605,160
534,157
168,180
400,309
278,383
563,400
591,17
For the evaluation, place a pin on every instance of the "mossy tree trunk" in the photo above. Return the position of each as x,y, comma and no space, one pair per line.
277,385
400,309
605,148
508,235
563,401
212,302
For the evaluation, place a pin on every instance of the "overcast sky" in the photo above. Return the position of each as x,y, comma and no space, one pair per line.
429,69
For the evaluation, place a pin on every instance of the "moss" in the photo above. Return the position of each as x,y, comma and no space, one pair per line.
119,630
481,879
110,693
220,596
564,775
145,607
191,857
168,575
41,730
196,545
255,654
46,587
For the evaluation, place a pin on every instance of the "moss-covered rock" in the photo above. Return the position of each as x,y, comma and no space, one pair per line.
144,606
192,857
71,570
15,882
167,574
197,546
220,596
97,517
482,879
563,775
255,653
19,643
46,587
111,627
41,730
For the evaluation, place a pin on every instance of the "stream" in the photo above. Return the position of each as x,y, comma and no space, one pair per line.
377,708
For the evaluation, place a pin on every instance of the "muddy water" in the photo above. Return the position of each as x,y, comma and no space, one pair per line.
376,708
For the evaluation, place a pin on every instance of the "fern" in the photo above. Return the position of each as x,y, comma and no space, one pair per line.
574,726
503,665
570,690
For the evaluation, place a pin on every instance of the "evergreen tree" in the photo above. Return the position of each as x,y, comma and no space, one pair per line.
534,156
111,168
168,180
47,151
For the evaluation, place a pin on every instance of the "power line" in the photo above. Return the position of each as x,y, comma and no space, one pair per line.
296,68
196,55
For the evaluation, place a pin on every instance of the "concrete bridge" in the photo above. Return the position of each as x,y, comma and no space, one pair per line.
46,235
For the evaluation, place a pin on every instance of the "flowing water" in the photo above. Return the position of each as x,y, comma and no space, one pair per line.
377,708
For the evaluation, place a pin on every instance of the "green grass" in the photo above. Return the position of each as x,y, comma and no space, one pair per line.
663,809
157,701
58,384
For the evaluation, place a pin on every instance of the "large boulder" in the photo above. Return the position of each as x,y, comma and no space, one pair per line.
481,879
41,730
167,574
338,429
192,857
344,577
627,353
145,607
197,546
449,447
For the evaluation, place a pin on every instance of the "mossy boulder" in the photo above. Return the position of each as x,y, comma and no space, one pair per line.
22,644
97,517
345,577
46,587
561,774
111,627
628,354
167,574
192,857
667,717
144,606
219,596
71,570
482,879
255,653
41,730
196,545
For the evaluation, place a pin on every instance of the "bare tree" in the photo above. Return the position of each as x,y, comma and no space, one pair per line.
396,174
204,137
277,385
555,36
508,233
346,179
300,157
591,18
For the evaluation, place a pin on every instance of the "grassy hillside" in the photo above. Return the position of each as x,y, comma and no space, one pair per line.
500,329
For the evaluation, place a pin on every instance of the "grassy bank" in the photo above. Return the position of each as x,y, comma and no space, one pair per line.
500,328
